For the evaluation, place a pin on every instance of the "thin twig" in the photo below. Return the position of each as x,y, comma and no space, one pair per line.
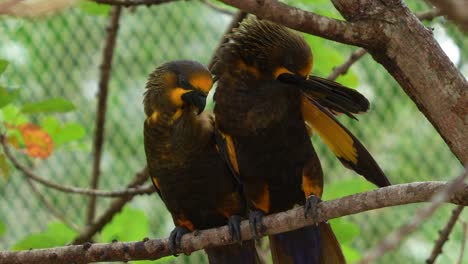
218,8
51,208
234,24
107,55
444,234
276,223
115,207
343,68
463,242
392,240
69,189
128,3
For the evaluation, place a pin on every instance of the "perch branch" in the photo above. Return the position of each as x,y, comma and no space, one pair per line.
69,189
276,223
394,239
107,55
444,234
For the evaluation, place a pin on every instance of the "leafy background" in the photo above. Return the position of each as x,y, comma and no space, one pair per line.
50,71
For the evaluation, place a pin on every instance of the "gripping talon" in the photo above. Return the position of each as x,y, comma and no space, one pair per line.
175,239
234,228
256,224
311,207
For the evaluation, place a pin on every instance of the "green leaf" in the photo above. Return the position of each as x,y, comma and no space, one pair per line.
2,229
62,134
6,97
70,132
4,169
346,187
11,115
56,234
93,8
351,254
3,65
54,105
129,225
345,230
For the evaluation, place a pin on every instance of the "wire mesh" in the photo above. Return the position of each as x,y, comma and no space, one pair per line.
60,56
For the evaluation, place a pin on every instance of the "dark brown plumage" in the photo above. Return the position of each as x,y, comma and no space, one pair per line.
264,100
193,181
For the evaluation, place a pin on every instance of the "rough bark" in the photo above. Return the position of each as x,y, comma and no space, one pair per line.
396,39
277,223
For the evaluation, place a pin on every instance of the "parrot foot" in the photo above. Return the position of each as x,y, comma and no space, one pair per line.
175,238
256,225
234,228
311,207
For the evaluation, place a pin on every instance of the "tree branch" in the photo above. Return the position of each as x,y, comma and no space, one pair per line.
358,54
463,243
276,223
456,10
115,207
416,61
128,3
391,241
107,55
69,189
444,234
343,68
358,34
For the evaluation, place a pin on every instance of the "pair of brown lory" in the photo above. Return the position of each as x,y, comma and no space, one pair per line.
254,153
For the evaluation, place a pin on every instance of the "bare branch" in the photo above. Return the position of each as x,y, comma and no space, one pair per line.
463,243
416,61
128,3
51,208
69,189
107,55
358,34
115,207
276,223
456,10
343,68
392,240
444,234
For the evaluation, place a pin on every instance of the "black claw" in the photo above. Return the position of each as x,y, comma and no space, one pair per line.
175,238
234,228
311,207
256,224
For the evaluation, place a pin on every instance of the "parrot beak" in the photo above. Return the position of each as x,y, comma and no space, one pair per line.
195,98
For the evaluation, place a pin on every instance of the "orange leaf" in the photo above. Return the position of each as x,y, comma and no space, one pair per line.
38,143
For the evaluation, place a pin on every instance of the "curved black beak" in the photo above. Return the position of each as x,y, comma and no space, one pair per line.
195,98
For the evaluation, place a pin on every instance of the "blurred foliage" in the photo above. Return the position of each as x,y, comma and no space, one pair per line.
56,234
59,57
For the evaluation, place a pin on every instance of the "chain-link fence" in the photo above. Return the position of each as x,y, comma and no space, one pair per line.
60,56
